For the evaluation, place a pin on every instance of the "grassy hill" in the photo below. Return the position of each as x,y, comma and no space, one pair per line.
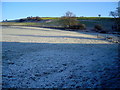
90,22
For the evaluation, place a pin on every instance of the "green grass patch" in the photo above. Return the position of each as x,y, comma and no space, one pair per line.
93,18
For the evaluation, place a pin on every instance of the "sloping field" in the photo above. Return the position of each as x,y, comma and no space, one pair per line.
47,58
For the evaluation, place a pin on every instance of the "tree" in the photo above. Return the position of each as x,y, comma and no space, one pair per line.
116,15
68,19
99,15
38,18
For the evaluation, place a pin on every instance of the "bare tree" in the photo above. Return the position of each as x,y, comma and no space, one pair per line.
116,15
68,19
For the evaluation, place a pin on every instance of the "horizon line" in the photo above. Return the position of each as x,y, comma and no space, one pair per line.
60,17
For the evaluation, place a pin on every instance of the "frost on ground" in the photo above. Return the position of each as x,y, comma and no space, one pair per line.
46,58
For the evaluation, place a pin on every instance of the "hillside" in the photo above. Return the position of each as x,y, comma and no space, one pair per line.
89,22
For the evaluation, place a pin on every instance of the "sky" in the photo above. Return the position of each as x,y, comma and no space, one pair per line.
17,10
59,0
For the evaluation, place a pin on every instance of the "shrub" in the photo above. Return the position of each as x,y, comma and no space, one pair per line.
103,31
79,26
82,26
98,27
21,20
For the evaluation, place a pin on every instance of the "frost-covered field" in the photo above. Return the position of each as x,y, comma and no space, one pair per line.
47,58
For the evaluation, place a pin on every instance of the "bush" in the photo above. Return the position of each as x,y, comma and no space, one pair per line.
21,20
82,26
98,27
79,26
103,31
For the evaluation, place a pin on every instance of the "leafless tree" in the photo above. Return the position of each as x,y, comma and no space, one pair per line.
68,19
116,15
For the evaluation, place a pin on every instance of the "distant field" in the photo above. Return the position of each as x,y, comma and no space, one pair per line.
91,18
86,18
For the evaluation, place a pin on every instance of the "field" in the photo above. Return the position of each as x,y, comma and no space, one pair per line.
35,57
